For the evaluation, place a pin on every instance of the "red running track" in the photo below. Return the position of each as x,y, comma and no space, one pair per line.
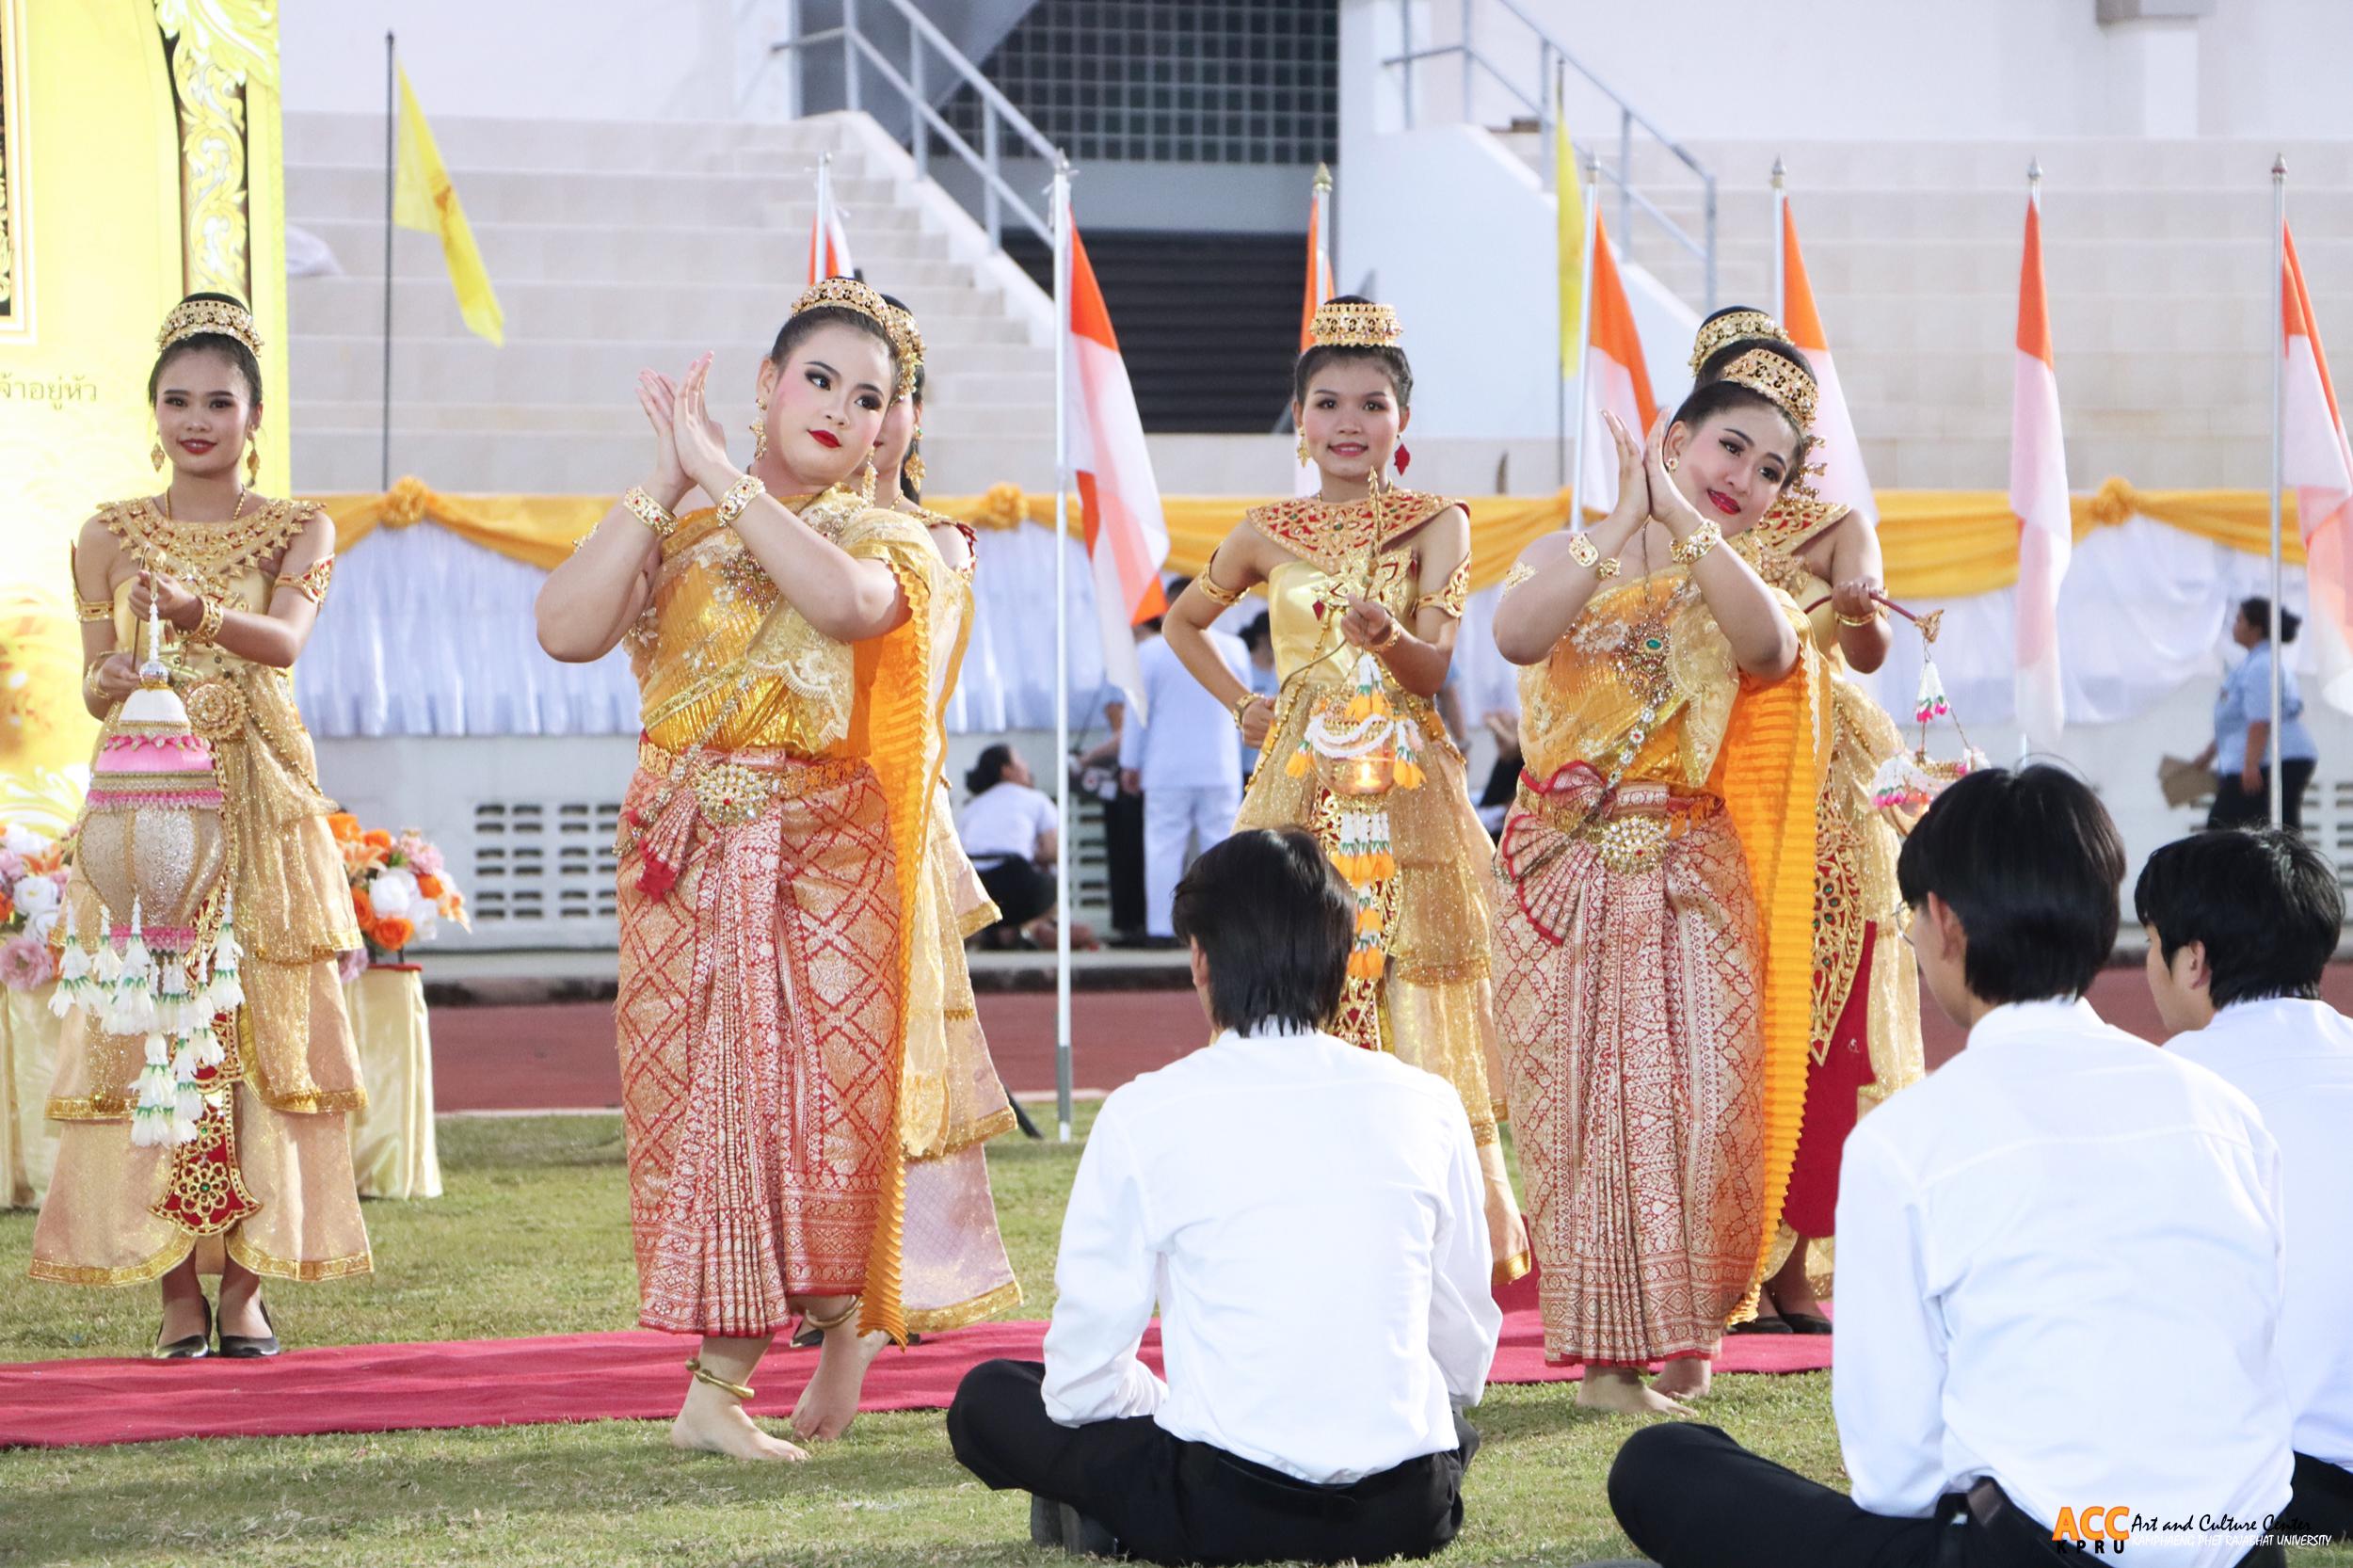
560,1056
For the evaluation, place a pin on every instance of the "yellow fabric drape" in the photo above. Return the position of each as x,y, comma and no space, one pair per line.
1939,544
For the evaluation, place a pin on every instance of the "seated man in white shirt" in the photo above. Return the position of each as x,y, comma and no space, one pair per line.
2241,927
1308,1218
2058,1261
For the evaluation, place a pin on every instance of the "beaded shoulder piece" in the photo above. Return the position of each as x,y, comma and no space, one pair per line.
1793,519
207,556
1336,535
930,519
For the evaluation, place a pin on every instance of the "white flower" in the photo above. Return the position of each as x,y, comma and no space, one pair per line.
35,895
426,919
21,838
391,894
41,924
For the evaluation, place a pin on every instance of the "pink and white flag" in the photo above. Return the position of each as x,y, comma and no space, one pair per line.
1126,536
2316,462
2038,495
1842,479
829,242
1617,381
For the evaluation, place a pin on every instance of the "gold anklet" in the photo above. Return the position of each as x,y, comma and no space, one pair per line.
742,1391
825,1325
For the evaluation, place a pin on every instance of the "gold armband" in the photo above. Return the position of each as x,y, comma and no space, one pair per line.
1214,594
311,584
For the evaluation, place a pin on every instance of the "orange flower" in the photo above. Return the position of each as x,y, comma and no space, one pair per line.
361,907
394,933
7,906
344,827
375,838
50,859
429,885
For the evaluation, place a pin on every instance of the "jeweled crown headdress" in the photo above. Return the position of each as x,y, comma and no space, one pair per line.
1355,325
910,341
848,294
1732,327
194,317
1787,385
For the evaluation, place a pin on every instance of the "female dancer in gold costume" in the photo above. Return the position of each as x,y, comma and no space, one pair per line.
1653,888
1865,1037
771,851
1362,565
266,1186
951,1101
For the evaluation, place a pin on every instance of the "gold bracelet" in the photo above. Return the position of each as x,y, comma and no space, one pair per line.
1227,597
1585,553
1871,619
208,625
645,509
1241,706
1397,630
1703,538
740,496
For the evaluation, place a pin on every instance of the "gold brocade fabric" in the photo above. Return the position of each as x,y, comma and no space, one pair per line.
1855,856
779,966
1431,1005
297,1061
1652,946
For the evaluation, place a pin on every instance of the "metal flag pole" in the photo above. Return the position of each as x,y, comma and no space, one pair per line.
391,176
1560,181
1585,348
1780,285
2279,445
1066,841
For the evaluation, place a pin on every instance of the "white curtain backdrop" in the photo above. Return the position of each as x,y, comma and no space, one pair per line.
426,634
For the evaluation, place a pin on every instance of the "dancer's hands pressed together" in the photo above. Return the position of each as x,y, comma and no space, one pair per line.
657,394
701,447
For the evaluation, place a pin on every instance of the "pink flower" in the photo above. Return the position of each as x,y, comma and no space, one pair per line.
25,962
11,866
351,965
423,858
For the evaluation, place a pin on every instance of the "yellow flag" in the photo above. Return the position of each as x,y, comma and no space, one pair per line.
1571,191
424,200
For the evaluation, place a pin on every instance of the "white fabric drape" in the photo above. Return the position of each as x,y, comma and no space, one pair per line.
429,635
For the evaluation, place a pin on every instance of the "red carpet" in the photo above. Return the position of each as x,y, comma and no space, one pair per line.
578,1377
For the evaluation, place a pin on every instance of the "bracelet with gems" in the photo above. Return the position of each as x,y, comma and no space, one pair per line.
1242,707
645,509
740,495
1688,553
1582,550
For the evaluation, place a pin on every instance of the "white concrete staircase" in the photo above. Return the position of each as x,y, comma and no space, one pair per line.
2156,256
617,246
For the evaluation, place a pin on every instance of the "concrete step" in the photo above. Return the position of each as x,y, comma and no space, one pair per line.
469,142
644,256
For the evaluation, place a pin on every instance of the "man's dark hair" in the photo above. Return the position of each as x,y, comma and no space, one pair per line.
2030,862
1275,923
2265,903
2256,610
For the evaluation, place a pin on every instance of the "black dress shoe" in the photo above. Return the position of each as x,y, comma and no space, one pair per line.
1764,1322
252,1347
1805,1322
194,1346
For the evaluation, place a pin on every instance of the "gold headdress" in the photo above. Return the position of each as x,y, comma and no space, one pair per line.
191,317
1787,385
848,294
1732,327
1339,325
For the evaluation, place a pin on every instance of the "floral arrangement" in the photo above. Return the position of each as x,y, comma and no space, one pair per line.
32,887
400,890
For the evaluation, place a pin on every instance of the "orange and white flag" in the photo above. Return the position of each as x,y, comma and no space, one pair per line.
829,242
1126,537
1306,479
1842,479
2038,496
1616,379
2316,458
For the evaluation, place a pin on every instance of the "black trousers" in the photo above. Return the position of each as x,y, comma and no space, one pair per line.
1123,857
2234,808
1020,891
2322,1503
1691,1498
1169,1500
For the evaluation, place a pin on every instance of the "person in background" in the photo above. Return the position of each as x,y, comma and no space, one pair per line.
1183,754
1096,773
1012,835
2241,928
2059,1260
1503,779
1321,1278
2241,749
1259,637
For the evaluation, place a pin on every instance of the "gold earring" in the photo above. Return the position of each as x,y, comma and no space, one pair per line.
155,456
759,429
1670,465
866,477
1303,450
253,461
913,468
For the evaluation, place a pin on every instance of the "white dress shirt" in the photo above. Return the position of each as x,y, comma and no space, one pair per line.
1310,1219
1188,738
2059,1265
2295,1059
1003,822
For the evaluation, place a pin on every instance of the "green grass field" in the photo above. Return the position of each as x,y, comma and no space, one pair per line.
531,1239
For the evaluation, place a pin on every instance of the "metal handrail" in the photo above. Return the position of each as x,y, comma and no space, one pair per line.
1549,52
996,109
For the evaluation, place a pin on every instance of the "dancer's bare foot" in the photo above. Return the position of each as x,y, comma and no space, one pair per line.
829,1403
1621,1390
1684,1378
712,1422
